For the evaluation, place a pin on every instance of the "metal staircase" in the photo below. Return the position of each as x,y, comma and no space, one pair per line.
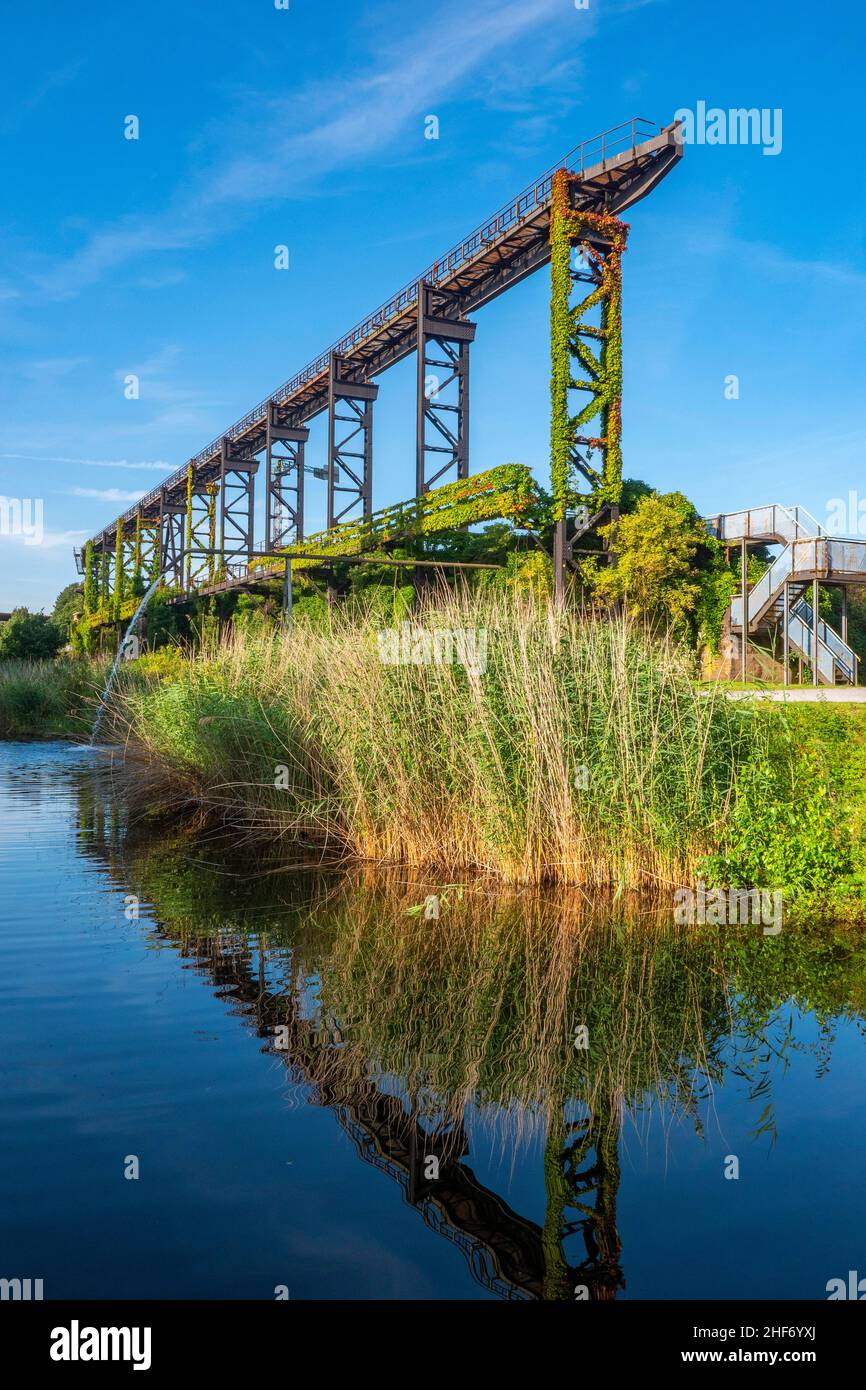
808,554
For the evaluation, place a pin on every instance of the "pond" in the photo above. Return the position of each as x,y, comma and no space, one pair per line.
227,1078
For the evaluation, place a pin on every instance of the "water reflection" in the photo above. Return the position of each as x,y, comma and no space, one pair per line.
418,1033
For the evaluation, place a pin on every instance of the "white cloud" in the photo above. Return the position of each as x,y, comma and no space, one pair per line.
50,540
106,494
147,465
354,119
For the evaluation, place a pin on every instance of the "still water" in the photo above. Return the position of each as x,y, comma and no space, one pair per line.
322,1090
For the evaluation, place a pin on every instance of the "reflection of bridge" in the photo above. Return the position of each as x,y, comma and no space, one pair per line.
506,1253
512,1257
503,1250
199,527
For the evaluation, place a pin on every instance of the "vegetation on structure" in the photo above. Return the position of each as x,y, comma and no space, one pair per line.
602,240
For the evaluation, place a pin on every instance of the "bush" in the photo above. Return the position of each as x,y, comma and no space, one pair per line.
29,637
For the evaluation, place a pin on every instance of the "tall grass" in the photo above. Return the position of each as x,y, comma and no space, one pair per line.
45,699
583,753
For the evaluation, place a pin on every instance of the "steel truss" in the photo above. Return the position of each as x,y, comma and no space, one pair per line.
147,550
172,525
237,504
200,535
443,402
350,443
284,504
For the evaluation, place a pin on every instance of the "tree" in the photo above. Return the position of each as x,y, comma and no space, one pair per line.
668,569
29,637
68,602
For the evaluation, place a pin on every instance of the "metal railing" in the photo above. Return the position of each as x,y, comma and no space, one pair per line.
801,627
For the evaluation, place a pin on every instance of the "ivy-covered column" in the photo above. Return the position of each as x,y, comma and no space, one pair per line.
103,580
136,563
89,580
586,358
118,571
211,491
560,371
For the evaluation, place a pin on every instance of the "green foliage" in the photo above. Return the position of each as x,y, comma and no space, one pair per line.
784,831
529,572
507,491
42,699
90,578
68,602
669,571
27,636
561,432
572,340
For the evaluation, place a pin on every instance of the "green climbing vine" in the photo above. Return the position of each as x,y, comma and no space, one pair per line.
119,586
507,492
89,578
571,337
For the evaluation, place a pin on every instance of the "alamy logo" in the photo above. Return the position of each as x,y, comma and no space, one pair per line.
21,1290
23,516
76,1343
847,516
855,1288
729,907
442,646
738,126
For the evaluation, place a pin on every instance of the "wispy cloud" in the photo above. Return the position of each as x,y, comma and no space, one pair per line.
49,540
51,369
106,494
17,111
146,465
352,120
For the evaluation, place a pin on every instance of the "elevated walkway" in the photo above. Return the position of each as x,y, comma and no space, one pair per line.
778,600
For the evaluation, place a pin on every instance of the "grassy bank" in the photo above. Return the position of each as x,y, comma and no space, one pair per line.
582,753
548,749
49,699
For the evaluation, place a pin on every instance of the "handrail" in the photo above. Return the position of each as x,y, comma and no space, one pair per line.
792,513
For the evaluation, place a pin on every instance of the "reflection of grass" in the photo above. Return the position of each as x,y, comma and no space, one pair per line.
49,699
584,752
480,1007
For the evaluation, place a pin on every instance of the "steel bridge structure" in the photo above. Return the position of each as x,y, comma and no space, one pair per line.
199,527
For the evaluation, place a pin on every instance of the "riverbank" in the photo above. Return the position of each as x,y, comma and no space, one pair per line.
493,736
50,699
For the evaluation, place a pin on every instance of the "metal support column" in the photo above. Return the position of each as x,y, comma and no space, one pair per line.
744,614
815,621
284,488
172,518
350,442
443,392
287,619
237,503
786,612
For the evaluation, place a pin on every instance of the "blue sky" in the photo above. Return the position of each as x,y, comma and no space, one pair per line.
261,126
